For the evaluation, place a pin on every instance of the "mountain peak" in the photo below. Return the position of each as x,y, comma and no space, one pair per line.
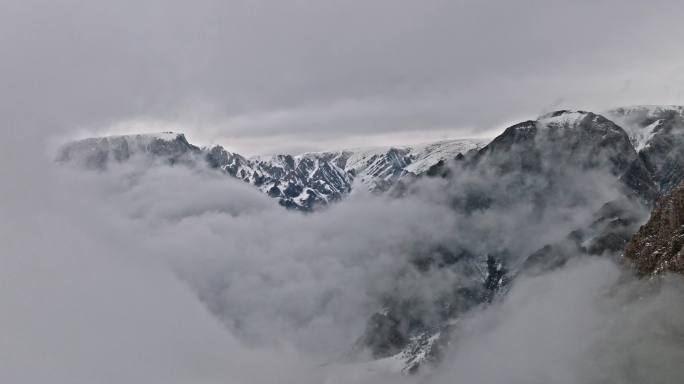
97,152
563,118
562,112
140,137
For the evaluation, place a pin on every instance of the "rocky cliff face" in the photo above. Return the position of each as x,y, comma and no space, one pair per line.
658,245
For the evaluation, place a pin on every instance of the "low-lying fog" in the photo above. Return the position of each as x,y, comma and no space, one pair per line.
183,275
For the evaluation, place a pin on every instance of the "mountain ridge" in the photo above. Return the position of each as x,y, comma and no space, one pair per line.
301,181
314,179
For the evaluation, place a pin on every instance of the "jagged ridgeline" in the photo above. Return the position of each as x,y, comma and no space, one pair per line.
300,181
566,184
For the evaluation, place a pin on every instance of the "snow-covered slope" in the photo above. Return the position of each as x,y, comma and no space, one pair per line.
657,133
380,167
561,119
316,178
640,122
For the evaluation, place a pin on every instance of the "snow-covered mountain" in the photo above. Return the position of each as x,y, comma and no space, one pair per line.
592,177
654,133
297,181
545,164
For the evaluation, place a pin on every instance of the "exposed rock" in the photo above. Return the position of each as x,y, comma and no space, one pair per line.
563,140
657,246
413,328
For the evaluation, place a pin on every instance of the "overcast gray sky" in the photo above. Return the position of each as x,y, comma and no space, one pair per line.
262,76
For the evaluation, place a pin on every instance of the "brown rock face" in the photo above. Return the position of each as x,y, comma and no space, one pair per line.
657,246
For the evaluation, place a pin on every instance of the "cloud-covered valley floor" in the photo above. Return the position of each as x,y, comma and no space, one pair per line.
176,275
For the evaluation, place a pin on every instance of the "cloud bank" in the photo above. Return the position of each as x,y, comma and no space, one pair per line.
264,76
177,274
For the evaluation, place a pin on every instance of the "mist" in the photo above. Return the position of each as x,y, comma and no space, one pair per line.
182,275
151,273
590,322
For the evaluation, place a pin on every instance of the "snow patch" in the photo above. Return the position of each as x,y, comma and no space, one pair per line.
633,120
427,155
567,119
641,138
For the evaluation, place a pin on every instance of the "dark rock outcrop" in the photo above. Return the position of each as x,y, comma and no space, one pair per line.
562,141
658,245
